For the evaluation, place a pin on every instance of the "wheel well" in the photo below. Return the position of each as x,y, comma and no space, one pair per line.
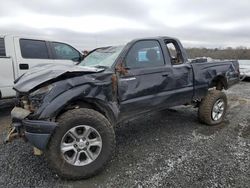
90,105
219,82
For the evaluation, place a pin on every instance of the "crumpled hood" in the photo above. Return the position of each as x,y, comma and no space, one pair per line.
41,74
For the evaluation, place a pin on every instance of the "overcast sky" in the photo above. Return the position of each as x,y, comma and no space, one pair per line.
90,23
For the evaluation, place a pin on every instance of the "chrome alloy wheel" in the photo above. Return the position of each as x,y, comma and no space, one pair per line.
218,109
81,145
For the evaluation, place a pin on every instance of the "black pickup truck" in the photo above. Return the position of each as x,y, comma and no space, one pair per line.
69,112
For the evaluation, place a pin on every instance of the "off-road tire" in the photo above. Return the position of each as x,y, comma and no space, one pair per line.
206,107
69,120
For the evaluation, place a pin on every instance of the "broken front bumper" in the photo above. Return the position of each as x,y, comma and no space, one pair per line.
37,132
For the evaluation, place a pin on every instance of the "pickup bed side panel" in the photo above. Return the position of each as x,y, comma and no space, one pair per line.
6,77
7,73
205,73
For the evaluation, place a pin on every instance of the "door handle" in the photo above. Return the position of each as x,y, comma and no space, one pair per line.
23,66
128,79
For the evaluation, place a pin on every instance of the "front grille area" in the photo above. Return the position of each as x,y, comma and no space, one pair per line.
28,102
23,101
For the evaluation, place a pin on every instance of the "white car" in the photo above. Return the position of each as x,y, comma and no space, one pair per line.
244,68
19,54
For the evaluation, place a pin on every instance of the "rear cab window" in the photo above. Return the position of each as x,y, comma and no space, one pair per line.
174,52
2,48
34,49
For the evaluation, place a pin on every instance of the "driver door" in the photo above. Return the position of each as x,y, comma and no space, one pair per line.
142,87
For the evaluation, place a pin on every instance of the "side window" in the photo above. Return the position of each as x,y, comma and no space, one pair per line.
174,52
64,51
34,49
2,47
145,54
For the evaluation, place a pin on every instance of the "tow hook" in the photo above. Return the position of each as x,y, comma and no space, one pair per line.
14,133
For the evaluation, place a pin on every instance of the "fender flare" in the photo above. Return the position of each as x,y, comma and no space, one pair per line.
219,79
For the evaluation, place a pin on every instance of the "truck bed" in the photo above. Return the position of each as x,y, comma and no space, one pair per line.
206,72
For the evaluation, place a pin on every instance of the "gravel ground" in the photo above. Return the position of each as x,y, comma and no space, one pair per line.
169,148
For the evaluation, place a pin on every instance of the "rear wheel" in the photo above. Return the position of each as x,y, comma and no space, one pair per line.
213,107
81,145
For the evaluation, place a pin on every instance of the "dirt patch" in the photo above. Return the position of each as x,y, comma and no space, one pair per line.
211,130
244,129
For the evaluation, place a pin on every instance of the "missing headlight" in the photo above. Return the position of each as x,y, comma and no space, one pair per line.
41,91
37,96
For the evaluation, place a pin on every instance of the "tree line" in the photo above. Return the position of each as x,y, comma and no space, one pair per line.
218,53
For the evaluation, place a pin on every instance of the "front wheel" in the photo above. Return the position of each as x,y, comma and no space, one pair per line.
212,108
81,145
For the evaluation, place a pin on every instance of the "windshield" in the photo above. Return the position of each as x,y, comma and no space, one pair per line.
103,57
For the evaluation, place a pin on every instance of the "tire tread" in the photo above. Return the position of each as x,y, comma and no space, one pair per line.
206,105
85,113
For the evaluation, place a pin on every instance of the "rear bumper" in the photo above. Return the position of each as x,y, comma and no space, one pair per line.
37,132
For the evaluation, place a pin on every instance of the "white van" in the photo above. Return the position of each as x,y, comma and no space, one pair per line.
19,54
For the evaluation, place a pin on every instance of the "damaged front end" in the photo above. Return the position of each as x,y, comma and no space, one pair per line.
41,96
37,132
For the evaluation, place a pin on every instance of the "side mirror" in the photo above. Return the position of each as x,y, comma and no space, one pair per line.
120,68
